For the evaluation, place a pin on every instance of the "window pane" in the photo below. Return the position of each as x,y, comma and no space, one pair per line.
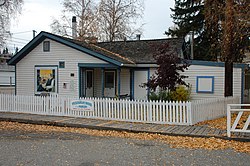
109,79
89,79
46,46
61,64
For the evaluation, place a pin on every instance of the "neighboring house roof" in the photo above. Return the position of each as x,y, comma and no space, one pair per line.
5,67
117,53
142,51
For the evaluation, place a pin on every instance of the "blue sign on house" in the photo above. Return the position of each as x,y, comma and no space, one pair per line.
82,105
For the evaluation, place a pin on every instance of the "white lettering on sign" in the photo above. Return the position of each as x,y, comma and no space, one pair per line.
82,105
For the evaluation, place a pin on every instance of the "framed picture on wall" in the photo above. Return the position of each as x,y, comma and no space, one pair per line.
46,79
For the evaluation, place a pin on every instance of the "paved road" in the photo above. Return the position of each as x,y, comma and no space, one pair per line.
44,149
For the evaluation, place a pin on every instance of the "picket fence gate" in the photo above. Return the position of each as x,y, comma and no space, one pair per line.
239,109
160,112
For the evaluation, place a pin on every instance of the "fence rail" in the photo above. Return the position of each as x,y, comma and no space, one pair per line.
235,127
160,112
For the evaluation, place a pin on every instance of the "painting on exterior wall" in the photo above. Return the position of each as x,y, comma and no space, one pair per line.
46,80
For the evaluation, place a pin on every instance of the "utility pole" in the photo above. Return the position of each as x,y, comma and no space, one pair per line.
192,45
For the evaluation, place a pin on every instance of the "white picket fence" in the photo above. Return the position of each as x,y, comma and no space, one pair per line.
211,108
160,112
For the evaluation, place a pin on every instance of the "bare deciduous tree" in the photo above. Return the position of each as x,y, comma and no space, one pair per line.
8,9
109,20
117,18
84,10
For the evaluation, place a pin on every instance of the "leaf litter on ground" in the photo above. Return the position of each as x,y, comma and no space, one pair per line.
174,141
221,123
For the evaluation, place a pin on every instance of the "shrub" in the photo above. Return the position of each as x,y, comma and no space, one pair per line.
162,95
153,96
181,93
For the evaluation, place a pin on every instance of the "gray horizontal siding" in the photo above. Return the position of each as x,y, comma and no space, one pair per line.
58,52
218,73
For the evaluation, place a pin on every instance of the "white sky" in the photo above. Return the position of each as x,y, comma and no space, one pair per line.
37,15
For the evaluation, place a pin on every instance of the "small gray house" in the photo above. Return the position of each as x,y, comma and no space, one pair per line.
55,64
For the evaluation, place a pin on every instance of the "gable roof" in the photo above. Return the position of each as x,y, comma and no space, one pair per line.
90,49
142,51
103,51
117,53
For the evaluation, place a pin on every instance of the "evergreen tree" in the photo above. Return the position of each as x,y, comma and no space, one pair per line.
206,18
188,16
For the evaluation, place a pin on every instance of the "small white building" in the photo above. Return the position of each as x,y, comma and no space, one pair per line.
109,69
7,75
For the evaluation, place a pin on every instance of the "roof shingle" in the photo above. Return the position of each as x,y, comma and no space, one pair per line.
141,51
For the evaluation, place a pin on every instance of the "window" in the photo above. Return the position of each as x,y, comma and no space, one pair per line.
61,64
109,79
89,79
205,84
45,80
46,46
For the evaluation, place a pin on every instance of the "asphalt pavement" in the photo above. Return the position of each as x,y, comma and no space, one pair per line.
26,148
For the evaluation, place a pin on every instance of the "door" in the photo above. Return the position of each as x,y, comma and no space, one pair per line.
109,84
140,77
247,88
89,83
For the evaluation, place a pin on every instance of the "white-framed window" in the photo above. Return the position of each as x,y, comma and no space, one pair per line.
45,79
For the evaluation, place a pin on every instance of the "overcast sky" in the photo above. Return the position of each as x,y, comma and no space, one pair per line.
37,15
